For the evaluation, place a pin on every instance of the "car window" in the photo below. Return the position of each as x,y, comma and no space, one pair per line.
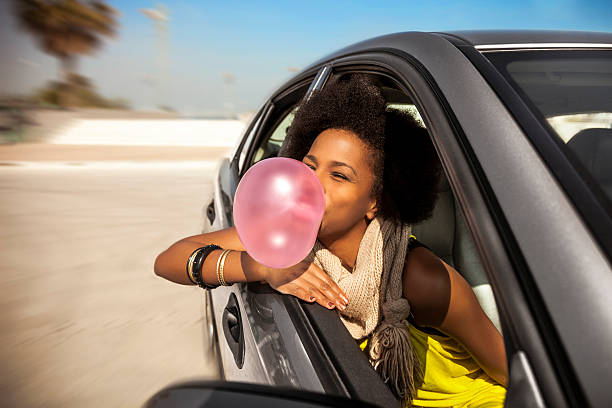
270,146
248,141
571,90
446,234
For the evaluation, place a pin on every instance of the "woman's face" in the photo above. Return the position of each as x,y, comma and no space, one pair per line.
340,160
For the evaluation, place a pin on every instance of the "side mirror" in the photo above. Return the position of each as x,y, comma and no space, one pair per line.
204,394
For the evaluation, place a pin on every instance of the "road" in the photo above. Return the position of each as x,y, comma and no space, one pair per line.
85,322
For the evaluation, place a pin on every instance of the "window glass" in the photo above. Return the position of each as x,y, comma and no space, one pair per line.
271,146
570,91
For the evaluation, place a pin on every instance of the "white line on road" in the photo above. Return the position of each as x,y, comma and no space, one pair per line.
108,164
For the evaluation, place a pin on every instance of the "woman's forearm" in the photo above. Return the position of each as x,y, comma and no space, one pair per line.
238,266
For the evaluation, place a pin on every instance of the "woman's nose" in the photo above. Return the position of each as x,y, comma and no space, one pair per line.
320,177
323,184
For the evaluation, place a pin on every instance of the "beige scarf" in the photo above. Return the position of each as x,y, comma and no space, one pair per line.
374,289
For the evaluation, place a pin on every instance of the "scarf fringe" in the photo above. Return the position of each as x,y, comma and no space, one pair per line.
395,360
378,308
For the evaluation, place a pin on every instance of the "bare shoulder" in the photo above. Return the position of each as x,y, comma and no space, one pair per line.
427,286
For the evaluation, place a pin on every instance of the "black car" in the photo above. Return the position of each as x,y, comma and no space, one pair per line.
522,123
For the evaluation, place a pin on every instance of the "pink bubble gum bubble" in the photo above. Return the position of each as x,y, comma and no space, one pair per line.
278,207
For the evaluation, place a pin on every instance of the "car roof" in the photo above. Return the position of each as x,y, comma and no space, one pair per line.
527,37
480,39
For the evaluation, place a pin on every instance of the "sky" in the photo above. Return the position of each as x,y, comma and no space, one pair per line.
257,44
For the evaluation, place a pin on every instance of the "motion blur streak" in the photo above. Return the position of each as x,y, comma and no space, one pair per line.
85,322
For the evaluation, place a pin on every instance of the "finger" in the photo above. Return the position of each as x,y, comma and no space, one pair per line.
307,293
320,297
331,297
330,285
294,290
320,274
304,294
312,290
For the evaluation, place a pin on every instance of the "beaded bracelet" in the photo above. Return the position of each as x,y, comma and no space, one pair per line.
194,268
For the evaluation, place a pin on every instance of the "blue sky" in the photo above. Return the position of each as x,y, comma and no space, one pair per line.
257,41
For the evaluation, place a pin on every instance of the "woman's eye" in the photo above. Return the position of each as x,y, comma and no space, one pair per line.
311,166
340,175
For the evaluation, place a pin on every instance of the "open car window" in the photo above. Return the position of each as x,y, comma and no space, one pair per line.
445,232
447,235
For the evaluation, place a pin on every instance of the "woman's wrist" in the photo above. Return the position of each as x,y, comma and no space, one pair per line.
253,270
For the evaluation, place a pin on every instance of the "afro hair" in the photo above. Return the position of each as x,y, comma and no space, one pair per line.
402,158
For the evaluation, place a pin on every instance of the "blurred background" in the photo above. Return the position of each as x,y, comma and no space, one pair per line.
113,118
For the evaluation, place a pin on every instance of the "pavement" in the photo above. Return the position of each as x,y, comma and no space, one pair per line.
85,322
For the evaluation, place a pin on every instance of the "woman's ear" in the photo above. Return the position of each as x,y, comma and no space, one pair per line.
372,211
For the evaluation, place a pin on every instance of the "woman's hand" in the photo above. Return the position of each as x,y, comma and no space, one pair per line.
308,282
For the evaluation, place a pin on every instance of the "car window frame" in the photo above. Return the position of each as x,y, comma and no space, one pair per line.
248,138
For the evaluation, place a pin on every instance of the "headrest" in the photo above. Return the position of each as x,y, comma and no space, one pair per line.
593,147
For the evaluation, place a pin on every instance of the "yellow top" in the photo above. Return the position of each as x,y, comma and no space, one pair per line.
452,378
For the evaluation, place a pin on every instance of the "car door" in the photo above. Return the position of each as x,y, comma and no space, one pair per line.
530,239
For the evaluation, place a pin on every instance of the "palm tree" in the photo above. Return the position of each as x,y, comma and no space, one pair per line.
67,28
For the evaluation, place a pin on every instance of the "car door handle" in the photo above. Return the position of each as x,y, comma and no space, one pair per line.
232,329
210,212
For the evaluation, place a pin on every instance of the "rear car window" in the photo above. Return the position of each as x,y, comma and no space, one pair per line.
271,146
571,93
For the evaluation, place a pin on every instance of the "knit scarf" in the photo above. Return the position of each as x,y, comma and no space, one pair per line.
376,305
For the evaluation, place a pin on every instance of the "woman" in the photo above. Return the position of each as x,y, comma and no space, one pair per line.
379,172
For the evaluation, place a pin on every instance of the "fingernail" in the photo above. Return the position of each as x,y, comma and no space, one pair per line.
312,298
345,299
331,305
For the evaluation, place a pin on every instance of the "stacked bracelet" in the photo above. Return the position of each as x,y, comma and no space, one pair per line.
190,266
220,264
195,263
221,271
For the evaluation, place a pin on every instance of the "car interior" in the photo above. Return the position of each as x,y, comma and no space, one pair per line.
593,147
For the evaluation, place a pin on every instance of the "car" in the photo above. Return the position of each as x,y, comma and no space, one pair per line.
521,121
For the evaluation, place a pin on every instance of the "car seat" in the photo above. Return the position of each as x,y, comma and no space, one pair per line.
446,234
593,147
